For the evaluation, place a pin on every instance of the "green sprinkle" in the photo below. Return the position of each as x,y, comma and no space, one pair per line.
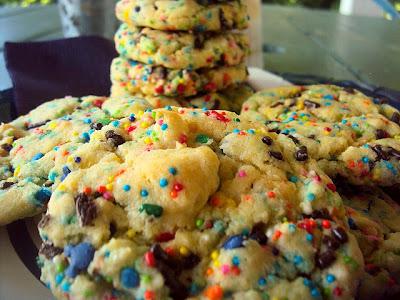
201,138
199,223
151,210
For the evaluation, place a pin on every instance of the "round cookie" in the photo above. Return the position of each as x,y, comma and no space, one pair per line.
374,220
184,15
196,203
181,50
155,81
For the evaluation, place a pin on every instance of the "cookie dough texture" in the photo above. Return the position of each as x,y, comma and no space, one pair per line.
348,133
197,204
183,15
154,81
181,50
374,220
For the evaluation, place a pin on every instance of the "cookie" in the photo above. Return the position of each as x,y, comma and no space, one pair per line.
155,81
188,15
349,134
38,159
374,220
317,102
196,203
231,99
181,50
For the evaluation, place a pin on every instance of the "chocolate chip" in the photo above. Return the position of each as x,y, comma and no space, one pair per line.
312,136
311,104
267,140
5,185
258,234
277,131
330,242
395,118
216,105
49,251
394,152
324,260
113,229
294,139
6,147
381,134
380,153
321,214
137,8
223,20
114,139
372,269
199,41
301,154
275,251
86,209
44,221
340,234
96,126
276,155
349,90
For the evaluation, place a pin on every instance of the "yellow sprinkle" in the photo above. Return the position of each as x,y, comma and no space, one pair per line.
75,133
214,255
144,124
111,178
140,113
216,263
130,233
70,159
126,125
147,140
17,171
184,251
61,188
52,125
300,105
109,186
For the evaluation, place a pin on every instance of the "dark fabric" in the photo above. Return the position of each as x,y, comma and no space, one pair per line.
41,71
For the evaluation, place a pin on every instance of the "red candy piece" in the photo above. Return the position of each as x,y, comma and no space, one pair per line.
165,237
149,259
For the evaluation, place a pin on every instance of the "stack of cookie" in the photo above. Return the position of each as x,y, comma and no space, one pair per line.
181,52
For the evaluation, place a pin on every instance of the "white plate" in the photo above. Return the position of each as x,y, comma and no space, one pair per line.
19,242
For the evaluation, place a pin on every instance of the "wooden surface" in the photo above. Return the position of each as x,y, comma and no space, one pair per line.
328,44
298,41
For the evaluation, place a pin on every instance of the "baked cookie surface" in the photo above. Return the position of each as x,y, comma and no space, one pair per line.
184,15
196,203
181,50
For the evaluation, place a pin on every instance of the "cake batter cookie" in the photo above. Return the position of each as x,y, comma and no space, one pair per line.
374,220
181,50
154,81
185,15
197,203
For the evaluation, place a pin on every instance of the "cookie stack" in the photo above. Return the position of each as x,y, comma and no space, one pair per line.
180,52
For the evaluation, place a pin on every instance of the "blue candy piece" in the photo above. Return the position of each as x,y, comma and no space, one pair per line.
42,196
235,241
80,257
129,278
37,156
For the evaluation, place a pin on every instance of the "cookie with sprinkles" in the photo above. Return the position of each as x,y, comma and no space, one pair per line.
187,15
197,203
230,98
327,103
181,50
374,220
154,81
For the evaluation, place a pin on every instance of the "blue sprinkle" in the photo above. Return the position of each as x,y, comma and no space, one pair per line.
59,278
352,224
330,278
107,253
310,197
365,159
236,261
126,187
52,176
77,159
115,123
164,126
172,170
42,196
86,136
307,282
132,118
87,121
235,241
328,103
194,289
163,182
80,257
37,156
297,259
251,131
129,278
66,170
292,227
262,281
309,237
293,179
329,97
344,121
66,287
144,193
91,131
56,148
168,107
236,130
315,292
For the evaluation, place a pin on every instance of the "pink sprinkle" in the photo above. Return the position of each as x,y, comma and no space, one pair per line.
160,122
107,195
225,269
242,173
